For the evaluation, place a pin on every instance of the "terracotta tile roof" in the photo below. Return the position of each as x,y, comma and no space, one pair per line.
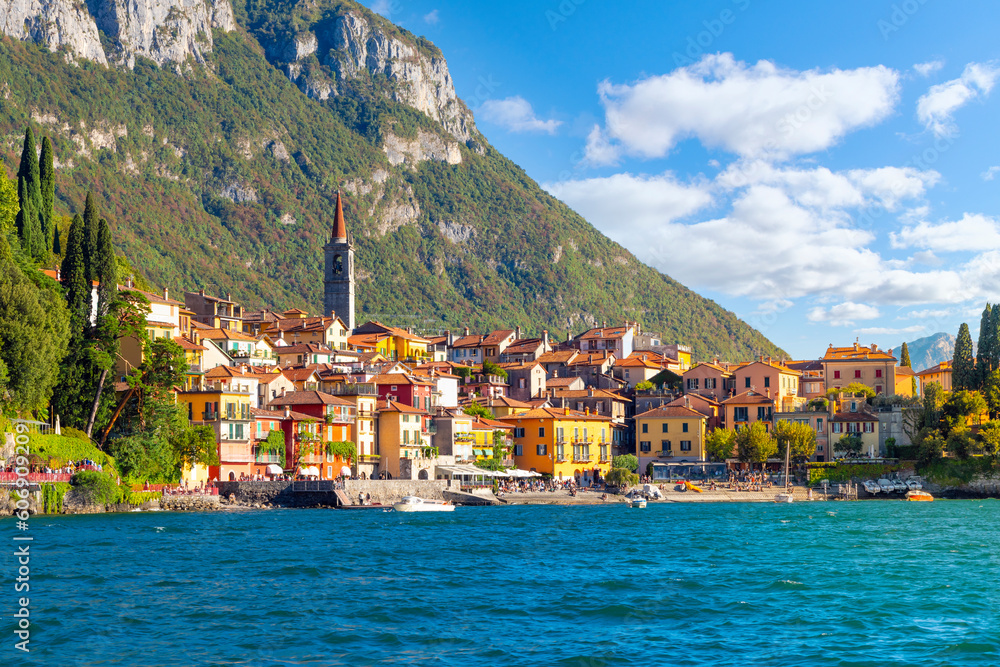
943,367
487,424
749,396
298,374
857,353
224,372
556,413
517,366
670,411
605,333
308,398
226,334
679,401
394,331
776,365
468,341
523,346
501,401
261,316
705,364
562,382
560,357
303,348
585,393
366,340
498,336
592,358
393,406
187,344
638,363
398,378
904,371
162,325
802,366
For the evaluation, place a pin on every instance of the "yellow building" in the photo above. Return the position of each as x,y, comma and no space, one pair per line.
393,343
860,423
940,374
487,434
563,443
904,380
194,354
225,406
404,442
670,434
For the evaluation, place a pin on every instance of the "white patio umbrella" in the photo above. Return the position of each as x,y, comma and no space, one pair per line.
345,471
274,469
311,470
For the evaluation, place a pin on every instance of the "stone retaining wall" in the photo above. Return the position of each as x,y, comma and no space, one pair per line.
389,491
197,503
257,493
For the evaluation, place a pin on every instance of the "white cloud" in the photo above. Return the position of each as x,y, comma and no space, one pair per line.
646,202
973,233
876,331
750,110
515,114
599,150
936,107
432,18
843,314
928,68
385,7
926,314
990,173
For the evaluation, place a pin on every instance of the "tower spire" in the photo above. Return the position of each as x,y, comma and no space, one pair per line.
339,227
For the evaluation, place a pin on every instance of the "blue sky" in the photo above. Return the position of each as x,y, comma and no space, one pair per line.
827,171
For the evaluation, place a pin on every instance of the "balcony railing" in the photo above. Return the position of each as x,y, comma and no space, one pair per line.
312,458
353,389
195,368
266,457
334,418
209,416
235,454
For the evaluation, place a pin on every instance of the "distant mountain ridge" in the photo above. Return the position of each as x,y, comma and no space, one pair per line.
929,351
215,136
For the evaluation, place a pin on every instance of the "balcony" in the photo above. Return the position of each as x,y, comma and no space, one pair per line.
429,429
266,457
195,368
209,416
232,453
311,458
353,389
339,418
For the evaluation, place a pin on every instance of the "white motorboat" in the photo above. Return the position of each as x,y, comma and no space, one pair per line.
900,486
783,498
417,504
914,485
886,486
872,487
638,503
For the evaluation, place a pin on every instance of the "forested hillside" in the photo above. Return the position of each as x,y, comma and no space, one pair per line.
221,175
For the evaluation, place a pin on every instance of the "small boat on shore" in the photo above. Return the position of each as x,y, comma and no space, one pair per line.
919,496
638,503
785,497
872,487
417,504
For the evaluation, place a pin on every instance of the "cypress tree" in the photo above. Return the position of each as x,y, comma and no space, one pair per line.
28,169
56,245
47,187
984,351
963,369
23,214
74,280
904,356
993,340
89,238
106,267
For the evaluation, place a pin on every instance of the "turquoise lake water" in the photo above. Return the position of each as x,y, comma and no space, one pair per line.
865,583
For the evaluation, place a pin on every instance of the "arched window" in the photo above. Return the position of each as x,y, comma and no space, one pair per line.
338,265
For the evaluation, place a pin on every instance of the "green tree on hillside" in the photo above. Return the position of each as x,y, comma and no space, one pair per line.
89,238
73,274
477,410
34,331
989,439
904,360
9,205
30,199
754,444
106,268
47,187
984,347
963,369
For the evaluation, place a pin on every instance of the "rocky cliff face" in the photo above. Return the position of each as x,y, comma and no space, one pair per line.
355,46
165,31
55,24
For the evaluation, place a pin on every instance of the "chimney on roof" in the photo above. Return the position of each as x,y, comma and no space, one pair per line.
767,392
201,292
687,401
545,339
229,296
569,336
166,294
449,338
288,412
590,391
874,347
517,333
769,361
715,361
565,409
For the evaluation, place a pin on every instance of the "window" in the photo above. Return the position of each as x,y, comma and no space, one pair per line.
406,418
576,435
684,427
645,427
406,437
746,381
878,372
837,427
519,432
541,431
740,414
836,375
666,427
665,446
685,445
560,434
692,383
819,424
190,411
604,435
767,381
762,413
521,383
857,374
853,427
869,427
542,450
709,383
878,389
644,446
560,452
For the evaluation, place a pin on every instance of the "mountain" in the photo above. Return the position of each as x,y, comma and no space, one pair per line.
215,137
929,351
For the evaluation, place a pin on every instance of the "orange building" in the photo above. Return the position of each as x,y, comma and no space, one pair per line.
564,443
869,366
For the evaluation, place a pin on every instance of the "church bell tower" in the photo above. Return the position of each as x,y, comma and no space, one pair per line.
338,275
